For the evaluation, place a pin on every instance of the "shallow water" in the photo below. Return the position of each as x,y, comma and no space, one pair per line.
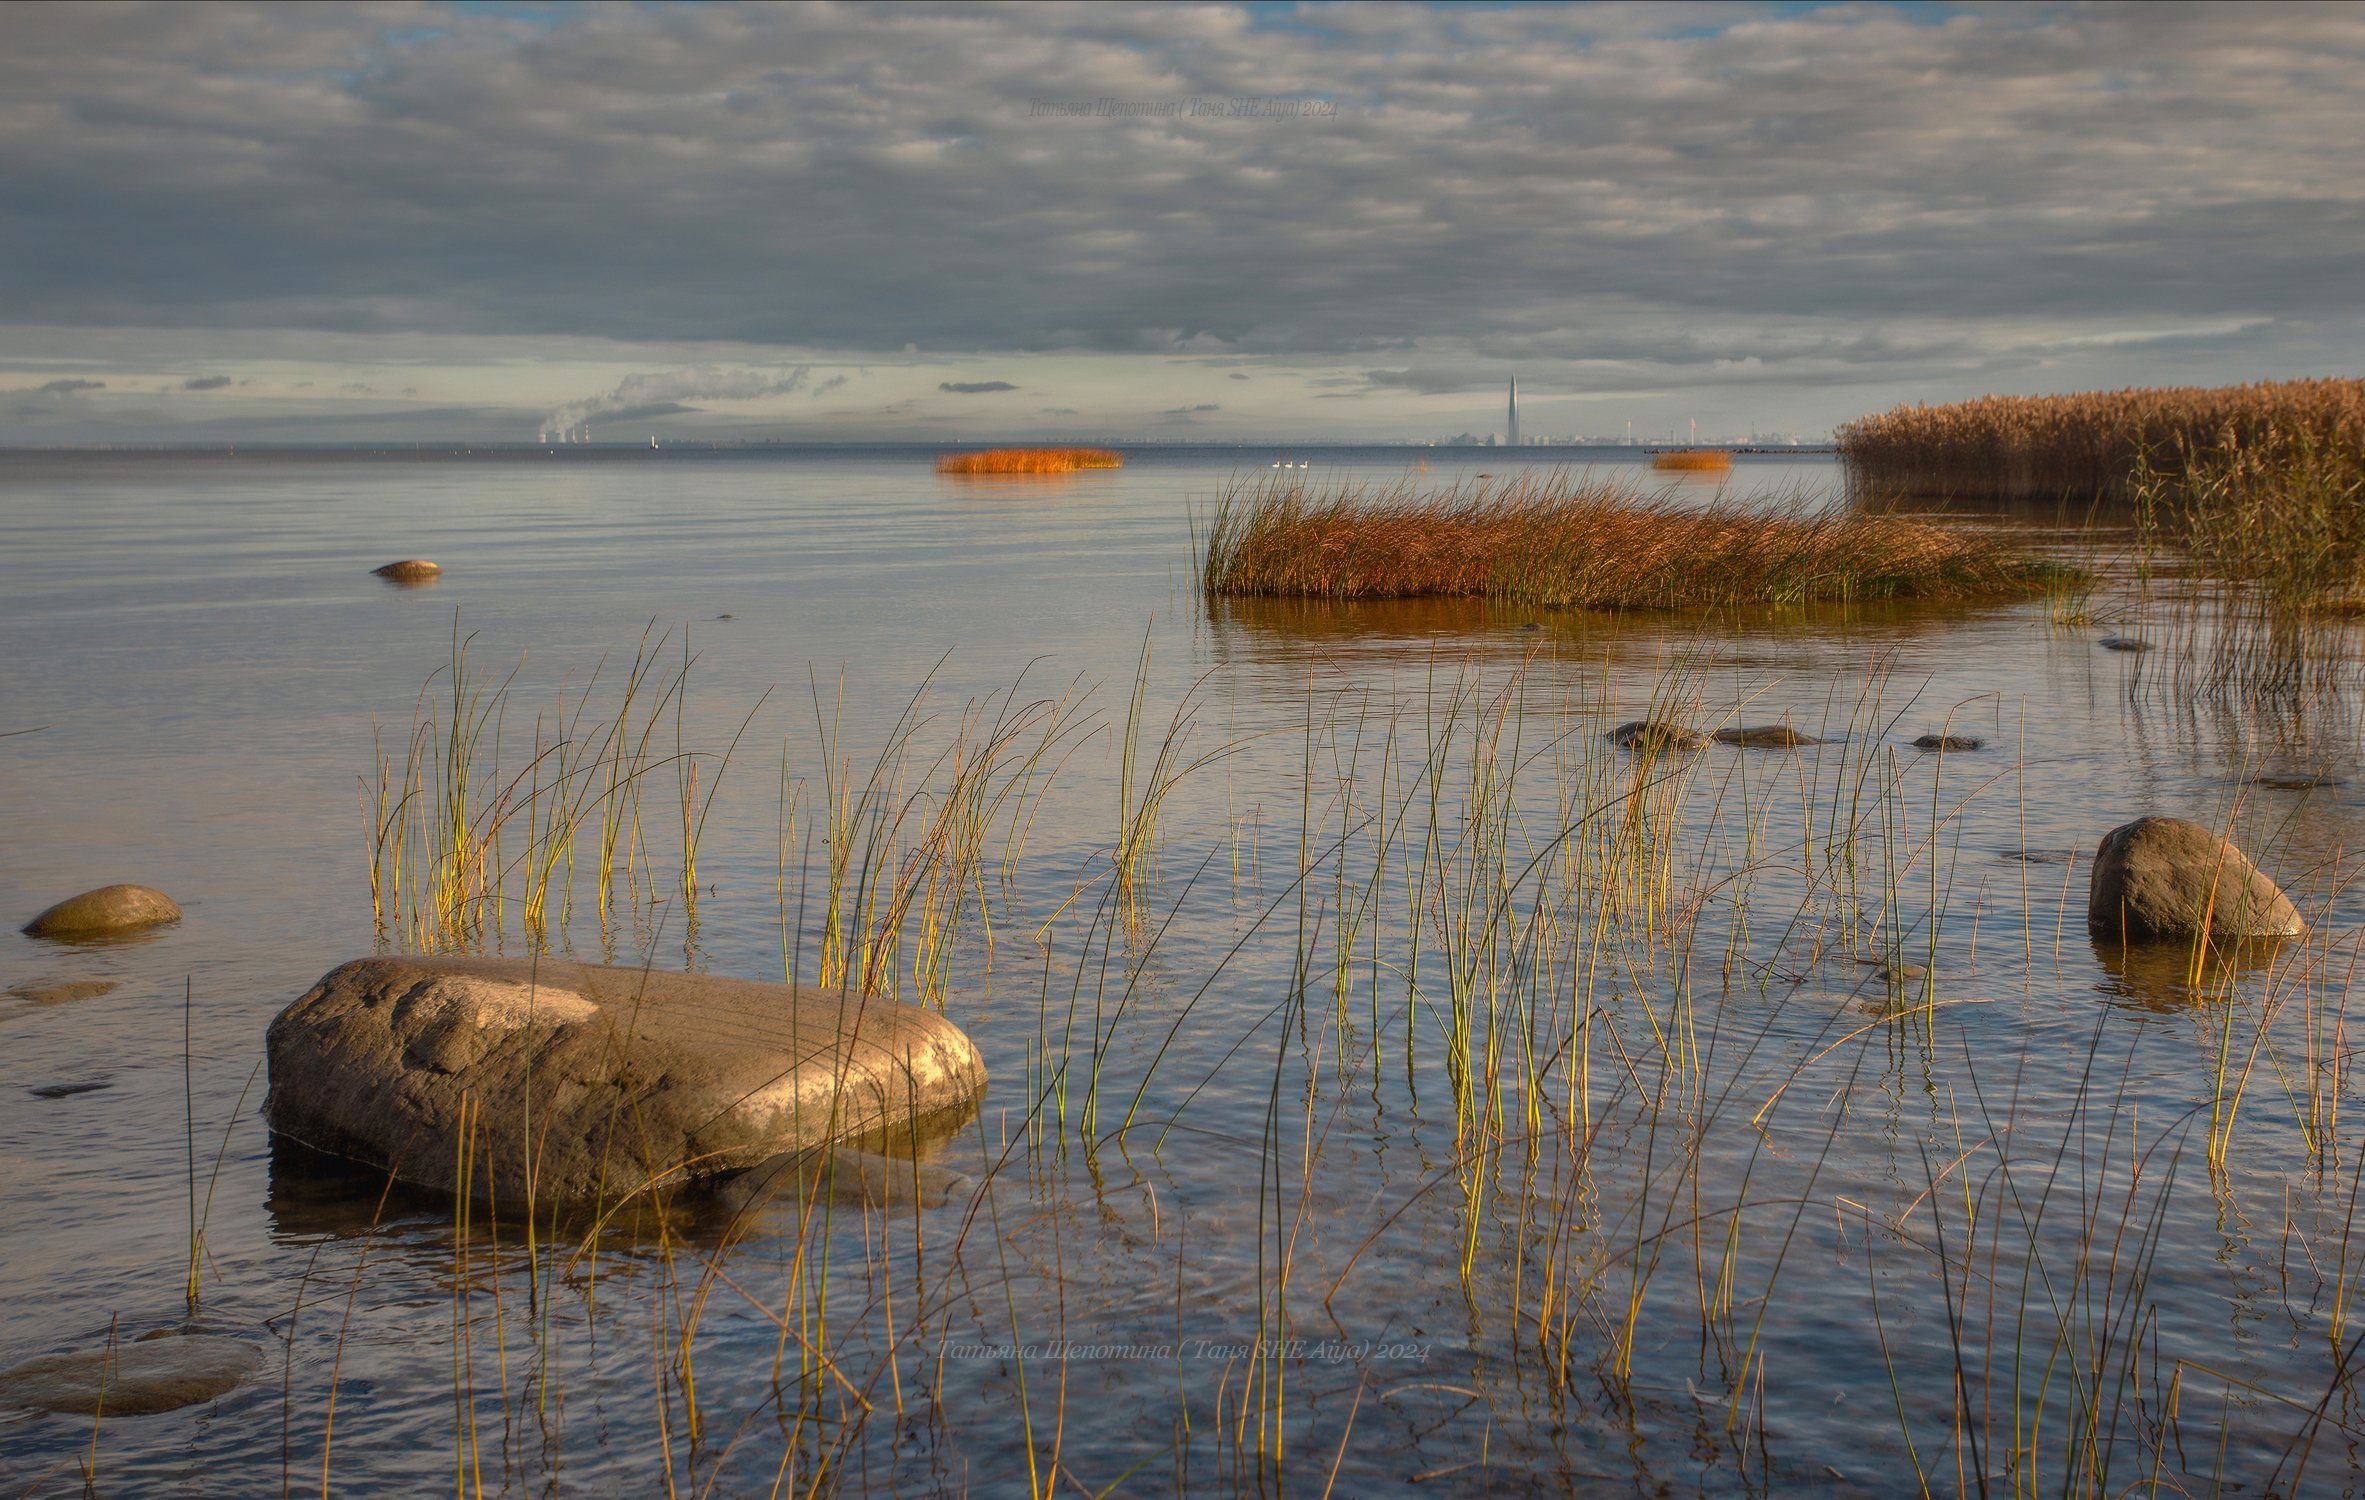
1566,1170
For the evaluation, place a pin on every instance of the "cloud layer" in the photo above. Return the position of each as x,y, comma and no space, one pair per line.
1405,201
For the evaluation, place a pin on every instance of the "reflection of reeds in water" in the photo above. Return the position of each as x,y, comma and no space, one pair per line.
2083,448
1605,980
1029,460
1556,542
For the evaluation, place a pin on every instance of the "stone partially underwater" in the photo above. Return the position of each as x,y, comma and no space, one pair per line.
594,1082
2162,879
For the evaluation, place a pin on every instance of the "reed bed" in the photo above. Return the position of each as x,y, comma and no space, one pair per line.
1693,461
1595,1074
1554,542
1029,461
2092,447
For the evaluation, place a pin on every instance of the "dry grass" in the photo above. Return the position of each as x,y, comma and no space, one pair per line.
2089,447
1558,543
1693,461
1029,461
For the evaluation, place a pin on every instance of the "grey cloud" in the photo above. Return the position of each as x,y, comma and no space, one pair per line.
70,387
974,387
829,385
205,383
1055,411
638,394
1618,196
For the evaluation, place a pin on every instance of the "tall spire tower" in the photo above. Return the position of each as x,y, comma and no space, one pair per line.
1513,429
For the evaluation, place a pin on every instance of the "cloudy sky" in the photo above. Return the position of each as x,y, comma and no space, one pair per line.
379,221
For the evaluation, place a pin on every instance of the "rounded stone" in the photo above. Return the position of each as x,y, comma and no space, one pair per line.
1948,742
158,1372
410,570
1765,737
2123,643
2168,878
1651,734
589,1082
105,912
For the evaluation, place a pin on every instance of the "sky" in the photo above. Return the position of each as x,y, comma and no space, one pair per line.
476,223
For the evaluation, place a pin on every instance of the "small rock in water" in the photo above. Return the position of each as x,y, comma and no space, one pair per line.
109,911
156,1372
1650,734
722,617
2296,783
1766,737
69,1090
1531,625
1904,973
2161,878
410,570
2123,643
1948,742
59,991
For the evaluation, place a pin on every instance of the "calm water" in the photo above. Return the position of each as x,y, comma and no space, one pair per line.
1562,1171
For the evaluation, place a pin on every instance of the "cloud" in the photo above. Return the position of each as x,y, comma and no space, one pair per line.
641,394
70,387
1615,198
1055,411
1235,375
205,383
829,385
975,387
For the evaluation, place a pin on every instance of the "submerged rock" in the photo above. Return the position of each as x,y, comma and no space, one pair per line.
2291,783
2123,643
158,1372
860,1179
106,912
59,991
617,1077
1948,742
1651,734
2158,878
69,1090
410,570
1766,737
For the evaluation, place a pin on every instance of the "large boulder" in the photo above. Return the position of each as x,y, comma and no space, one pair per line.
109,911
158,1372
2165,878
596,1081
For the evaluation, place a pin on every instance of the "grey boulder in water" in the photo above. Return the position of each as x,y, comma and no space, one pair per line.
590,1083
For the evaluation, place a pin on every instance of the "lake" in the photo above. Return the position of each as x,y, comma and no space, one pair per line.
1395,1085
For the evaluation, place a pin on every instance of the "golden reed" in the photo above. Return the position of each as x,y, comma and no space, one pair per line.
1558,542
2083,448
1693,461
1028,461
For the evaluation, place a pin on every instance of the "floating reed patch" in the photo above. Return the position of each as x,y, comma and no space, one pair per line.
1029,461
1553,543
1693,461
2091,447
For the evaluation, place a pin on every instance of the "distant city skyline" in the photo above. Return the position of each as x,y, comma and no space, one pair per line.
484,223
